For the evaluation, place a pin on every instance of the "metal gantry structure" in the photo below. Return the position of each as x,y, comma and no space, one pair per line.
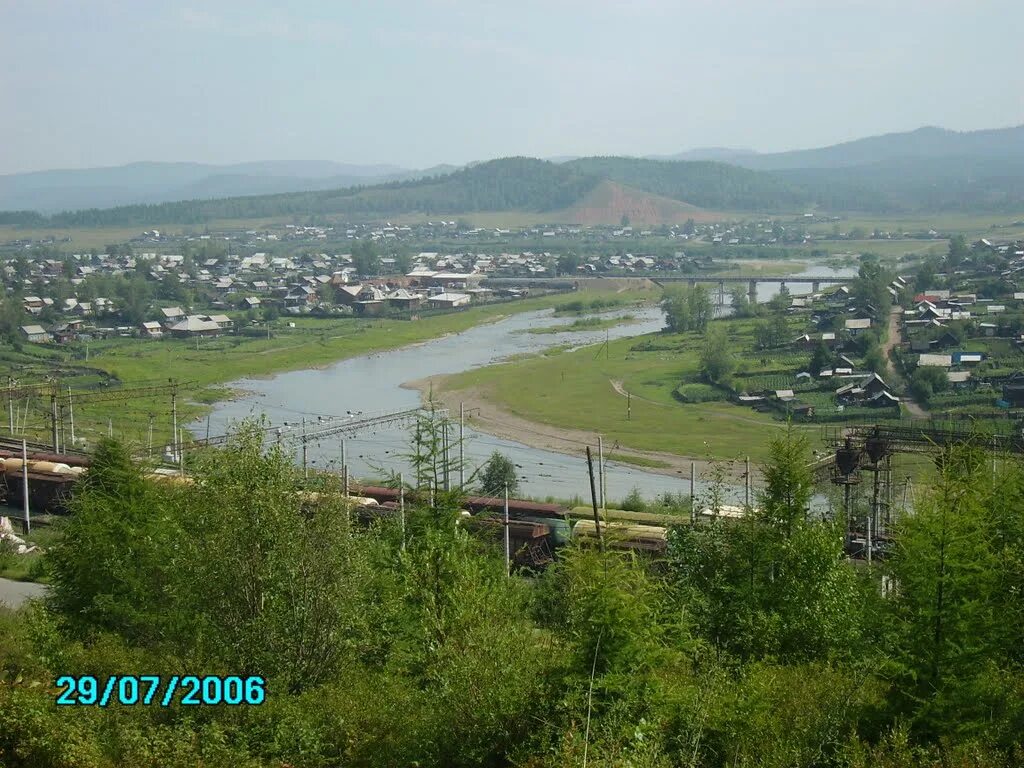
870,448
62,401
301,434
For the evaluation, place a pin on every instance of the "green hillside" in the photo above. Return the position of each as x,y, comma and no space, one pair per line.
979,181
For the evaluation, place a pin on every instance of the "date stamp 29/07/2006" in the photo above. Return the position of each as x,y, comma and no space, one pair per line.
157,690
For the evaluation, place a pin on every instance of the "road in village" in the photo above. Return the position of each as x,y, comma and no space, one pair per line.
893,339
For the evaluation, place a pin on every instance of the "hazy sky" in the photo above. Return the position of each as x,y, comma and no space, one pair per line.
106,82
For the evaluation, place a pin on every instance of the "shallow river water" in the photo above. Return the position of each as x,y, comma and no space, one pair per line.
370,384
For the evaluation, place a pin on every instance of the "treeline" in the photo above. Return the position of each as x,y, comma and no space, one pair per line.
917,184
754,644
527,184
517,183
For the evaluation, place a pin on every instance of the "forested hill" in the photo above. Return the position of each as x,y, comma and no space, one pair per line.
970,182
703,183
508,184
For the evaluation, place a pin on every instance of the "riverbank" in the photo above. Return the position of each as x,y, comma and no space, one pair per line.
486,415
642,393
207,366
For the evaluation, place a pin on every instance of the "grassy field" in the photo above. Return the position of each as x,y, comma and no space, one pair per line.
87,238
579,390
890,248
970,224
211,363
586,324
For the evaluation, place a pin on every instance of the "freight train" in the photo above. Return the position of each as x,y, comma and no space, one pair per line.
537,530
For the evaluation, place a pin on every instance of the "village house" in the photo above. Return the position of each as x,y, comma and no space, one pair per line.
405,299
68,331
449,300
35,334
151,329
33,304
856,326
870,390
194,325
172,314
300,296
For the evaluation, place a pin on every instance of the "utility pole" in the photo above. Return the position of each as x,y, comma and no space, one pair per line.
207,429
110,428
508,550
305,469
629,407
600,469
693,478
71,414
747,477
593,499
53,420
174,417
10,403
151,435
24,484
869,538
344,465
401,505
462,438
444,448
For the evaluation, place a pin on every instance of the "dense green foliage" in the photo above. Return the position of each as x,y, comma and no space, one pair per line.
499,476
687,308
516,183
756,643
926,381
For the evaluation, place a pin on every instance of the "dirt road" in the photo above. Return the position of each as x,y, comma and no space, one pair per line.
893,339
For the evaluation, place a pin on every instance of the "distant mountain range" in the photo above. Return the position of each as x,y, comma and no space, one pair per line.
61,190
929,169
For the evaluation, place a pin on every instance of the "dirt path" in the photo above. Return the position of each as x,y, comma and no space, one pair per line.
485,416
893,339
14,593
620,389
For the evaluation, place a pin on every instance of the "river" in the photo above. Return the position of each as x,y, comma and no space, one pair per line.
370,384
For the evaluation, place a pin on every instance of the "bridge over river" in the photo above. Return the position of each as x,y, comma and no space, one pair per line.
815,282
751,281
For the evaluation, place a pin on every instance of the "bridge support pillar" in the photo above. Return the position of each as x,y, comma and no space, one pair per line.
815,286
752,291
693,282
721,292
